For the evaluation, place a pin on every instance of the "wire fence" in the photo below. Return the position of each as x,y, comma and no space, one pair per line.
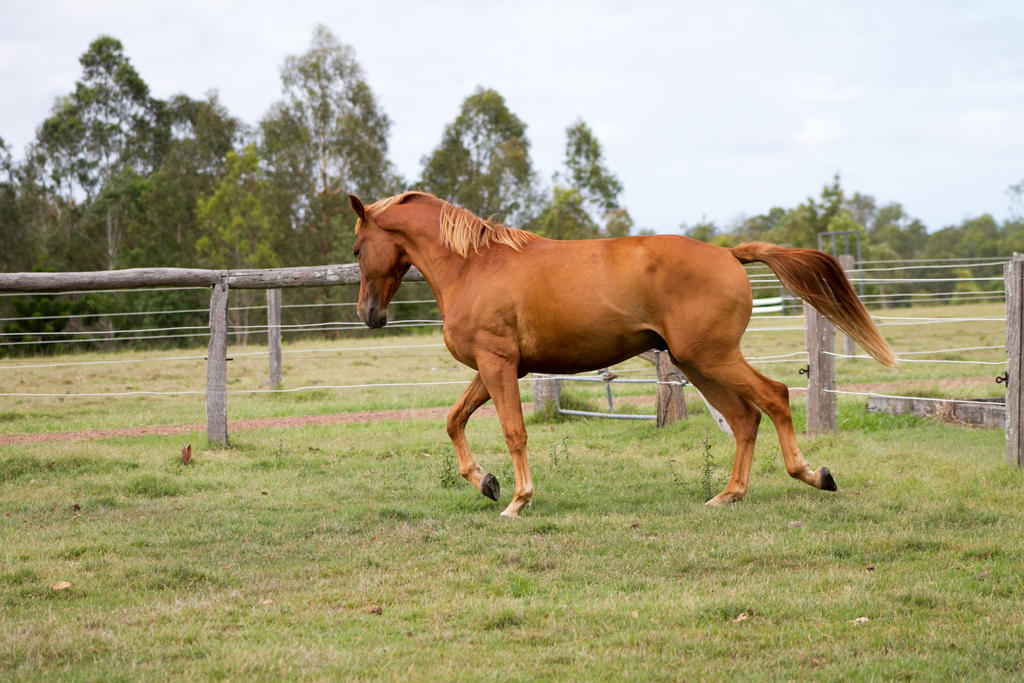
39,332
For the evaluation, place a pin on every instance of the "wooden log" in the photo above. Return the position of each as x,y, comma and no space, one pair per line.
108,279
846,261
272,278
985,414
274,336
671,397
217,368
306,276
821,381
1013,276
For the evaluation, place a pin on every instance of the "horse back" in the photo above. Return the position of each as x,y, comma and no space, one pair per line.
578,305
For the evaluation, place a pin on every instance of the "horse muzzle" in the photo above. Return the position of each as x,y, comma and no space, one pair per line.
374,317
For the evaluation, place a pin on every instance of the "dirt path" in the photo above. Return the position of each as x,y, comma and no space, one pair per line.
243,425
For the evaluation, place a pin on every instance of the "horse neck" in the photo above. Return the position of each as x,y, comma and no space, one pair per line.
422,242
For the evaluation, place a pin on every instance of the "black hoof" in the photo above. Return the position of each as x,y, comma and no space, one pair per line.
827,482
489,487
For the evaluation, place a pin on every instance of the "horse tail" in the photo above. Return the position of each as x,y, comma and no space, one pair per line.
818,279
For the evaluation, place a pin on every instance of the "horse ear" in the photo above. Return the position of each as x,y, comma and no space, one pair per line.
357,206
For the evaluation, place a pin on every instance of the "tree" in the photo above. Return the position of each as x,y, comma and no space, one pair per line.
238,222
327,138
237,218
758,227
586,171
800,226
111,215
564,217
483,161
19,248
704,231
975,237
108,125
200,134
618,223
891,227
861,207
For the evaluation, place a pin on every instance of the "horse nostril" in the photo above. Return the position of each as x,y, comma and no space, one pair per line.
373,317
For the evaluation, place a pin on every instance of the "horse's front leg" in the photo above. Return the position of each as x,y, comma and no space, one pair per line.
474,397
501,378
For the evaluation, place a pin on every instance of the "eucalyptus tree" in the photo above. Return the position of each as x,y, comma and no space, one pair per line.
565,216
109,125
586,170
15,234
239,222
327,138
800,226
200,134
483,162
892,231
585,197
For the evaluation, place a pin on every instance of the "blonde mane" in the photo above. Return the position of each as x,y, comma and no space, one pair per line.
380,206
461,230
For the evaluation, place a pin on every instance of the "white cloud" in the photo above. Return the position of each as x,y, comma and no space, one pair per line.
816,132
990,129
728,107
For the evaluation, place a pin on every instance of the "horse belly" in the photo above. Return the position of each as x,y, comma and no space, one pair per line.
569,348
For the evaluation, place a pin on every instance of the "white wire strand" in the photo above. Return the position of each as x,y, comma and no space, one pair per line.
120,394
919,360
182,311
100,362
953,261
921,281
916,398
398,324
949,266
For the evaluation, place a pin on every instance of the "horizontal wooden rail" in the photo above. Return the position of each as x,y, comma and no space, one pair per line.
220,282
270,278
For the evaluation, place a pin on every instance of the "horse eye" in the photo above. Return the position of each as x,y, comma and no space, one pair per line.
355,252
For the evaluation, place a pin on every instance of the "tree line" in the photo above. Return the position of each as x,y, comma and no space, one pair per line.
886,232
117,178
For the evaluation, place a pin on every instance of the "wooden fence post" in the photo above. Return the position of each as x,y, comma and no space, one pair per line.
545,390
821,380
846,261
1013,276
217,368
671,397
274,335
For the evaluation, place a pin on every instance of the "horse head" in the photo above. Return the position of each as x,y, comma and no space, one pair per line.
383,263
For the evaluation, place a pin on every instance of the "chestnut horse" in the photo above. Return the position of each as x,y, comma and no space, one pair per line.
514,302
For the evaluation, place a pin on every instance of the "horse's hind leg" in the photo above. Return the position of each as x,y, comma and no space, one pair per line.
472,398
743,419
773,398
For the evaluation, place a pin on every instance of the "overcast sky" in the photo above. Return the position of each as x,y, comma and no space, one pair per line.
706,110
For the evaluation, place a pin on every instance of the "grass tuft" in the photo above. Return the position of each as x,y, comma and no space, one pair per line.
153,486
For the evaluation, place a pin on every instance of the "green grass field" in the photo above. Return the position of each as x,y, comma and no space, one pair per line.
357,552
